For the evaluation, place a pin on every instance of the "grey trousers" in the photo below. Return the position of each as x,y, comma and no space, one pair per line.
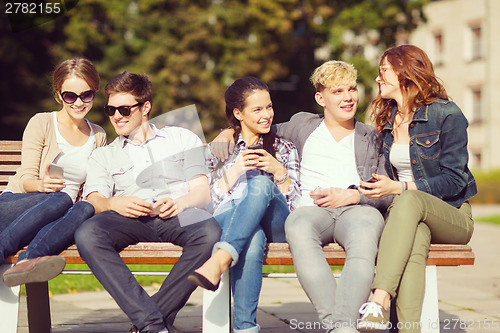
357,229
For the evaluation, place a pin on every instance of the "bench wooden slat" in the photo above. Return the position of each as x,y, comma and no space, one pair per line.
277,254
4,178
6,145
8,169
12,159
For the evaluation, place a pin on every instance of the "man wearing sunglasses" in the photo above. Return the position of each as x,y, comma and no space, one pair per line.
148,185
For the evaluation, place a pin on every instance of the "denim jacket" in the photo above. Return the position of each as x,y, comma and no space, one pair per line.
438,152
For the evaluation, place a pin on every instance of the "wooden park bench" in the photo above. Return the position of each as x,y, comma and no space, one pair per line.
216,305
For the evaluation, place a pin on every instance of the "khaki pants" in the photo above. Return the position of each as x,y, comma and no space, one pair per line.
415,220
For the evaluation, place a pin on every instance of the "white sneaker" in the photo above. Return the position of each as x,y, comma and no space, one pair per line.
374,317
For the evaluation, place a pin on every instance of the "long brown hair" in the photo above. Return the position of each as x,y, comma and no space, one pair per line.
235,97
419,84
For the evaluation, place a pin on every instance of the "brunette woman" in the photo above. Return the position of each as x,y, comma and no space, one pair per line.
252,192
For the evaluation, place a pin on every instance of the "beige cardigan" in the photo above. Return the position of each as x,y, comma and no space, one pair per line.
40,148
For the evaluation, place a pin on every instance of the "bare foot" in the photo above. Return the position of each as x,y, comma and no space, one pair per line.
213,268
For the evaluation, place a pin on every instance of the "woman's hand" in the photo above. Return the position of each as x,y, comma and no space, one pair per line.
268,163
247,160
383,187
48,184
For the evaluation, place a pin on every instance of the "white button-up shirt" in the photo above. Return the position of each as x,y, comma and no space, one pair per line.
158,168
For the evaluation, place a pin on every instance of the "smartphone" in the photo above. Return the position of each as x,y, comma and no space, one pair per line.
371,180
156,210
55,171
318,196
257,146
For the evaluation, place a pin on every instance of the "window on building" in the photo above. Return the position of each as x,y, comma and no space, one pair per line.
476,51
476,159
438,48
477,105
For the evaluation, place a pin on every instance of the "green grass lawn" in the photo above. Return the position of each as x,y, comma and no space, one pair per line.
495,219
68,283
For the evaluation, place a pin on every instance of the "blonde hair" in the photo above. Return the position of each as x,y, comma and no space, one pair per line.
333,73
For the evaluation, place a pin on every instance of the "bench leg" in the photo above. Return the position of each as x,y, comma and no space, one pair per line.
430,307
9,305
37,300
217,307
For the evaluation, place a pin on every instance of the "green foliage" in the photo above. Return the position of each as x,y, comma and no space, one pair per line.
488,187
193,50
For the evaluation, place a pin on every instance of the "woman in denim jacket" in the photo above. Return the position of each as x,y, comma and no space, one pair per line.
425,145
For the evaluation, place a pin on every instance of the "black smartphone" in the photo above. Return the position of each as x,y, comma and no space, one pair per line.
371,180
257,146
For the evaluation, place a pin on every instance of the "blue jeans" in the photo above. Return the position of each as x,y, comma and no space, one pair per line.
357,229
37,211
14,204
102,237
246,227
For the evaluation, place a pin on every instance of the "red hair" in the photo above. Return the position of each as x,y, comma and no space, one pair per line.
419,84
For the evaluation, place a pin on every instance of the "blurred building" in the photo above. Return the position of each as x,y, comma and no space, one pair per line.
462,39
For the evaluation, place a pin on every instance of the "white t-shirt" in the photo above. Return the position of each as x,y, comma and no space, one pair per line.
73,160
400,159
327,163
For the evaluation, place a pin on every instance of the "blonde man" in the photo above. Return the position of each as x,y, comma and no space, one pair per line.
336,153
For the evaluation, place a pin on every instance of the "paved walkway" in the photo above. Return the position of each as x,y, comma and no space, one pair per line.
469,298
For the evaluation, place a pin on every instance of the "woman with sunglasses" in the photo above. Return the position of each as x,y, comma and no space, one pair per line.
425,145
252,193
42,209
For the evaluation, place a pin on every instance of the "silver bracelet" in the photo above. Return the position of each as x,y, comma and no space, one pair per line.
282,179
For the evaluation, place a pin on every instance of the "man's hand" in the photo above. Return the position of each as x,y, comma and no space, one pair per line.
133,207
334,197
222,146
169,207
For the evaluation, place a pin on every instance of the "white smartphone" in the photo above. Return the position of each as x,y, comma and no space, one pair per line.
56,171
318,196
156,210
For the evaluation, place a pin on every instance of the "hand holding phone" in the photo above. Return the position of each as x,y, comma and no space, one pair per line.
155,210
254,147
56,171
371,180
316,196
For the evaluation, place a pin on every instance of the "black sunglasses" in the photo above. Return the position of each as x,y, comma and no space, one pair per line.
124,110
70,97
